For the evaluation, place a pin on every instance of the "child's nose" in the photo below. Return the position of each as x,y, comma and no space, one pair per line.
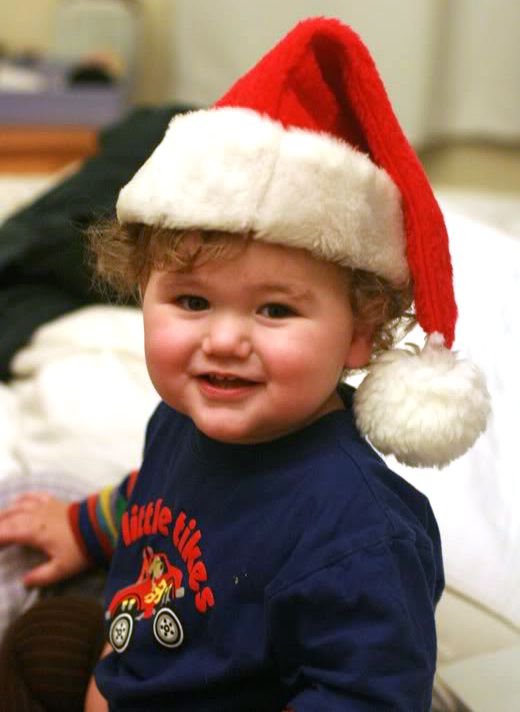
227,337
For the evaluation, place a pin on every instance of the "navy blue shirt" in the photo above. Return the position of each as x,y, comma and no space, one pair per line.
300,573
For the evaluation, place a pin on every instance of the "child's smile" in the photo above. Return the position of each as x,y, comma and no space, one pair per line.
251,347
216,385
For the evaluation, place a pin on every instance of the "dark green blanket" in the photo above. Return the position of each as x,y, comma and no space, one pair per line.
43,270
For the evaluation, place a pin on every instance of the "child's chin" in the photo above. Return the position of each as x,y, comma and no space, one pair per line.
224,432
239,435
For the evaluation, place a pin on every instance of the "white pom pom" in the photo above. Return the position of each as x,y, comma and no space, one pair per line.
426,408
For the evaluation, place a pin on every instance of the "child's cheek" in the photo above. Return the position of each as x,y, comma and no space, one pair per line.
160,341
163,347
286,356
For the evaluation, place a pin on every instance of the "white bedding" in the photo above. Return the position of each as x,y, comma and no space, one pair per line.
477,498
81,398
80,403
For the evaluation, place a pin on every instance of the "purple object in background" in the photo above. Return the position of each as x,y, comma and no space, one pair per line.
60,103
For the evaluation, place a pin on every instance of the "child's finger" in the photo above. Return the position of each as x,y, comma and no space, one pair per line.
20,527
42,575
8,524
31,499
21,504
5,513
9,511
37,496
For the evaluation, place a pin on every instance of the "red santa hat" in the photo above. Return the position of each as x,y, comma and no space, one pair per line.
305,151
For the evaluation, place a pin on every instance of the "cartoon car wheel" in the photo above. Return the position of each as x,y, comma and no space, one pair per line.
120,631
167,628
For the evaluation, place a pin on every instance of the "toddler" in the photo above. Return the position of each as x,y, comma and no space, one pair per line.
265,558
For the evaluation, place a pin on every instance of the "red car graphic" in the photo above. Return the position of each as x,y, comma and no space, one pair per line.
159,582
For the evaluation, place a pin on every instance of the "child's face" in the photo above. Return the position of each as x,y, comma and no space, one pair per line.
251,348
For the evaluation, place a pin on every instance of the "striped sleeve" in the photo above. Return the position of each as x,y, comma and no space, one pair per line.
95,521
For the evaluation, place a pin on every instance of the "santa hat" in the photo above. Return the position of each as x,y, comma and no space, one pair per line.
305,151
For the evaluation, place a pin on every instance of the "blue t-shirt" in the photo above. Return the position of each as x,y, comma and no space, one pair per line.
300,573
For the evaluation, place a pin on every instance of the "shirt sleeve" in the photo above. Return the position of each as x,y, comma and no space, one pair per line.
358,634
95,521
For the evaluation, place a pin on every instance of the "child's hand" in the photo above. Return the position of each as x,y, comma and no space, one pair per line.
94,700
40,521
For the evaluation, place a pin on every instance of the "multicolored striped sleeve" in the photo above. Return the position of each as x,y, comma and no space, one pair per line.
95,520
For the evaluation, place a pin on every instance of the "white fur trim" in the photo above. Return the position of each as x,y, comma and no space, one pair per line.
426,408
233,169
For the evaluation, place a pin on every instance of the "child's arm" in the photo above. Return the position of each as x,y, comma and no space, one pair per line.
72,536
94,700
95,521
358,634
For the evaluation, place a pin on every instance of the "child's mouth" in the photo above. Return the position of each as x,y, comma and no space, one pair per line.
226,382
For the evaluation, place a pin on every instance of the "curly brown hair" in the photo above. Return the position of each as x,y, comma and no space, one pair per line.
124,255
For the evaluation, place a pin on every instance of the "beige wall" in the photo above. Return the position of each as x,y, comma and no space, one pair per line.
27,24
474,166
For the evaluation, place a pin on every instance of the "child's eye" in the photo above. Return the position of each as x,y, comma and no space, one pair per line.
192,302
277,311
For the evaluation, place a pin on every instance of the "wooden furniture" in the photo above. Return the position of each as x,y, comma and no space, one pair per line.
44,149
